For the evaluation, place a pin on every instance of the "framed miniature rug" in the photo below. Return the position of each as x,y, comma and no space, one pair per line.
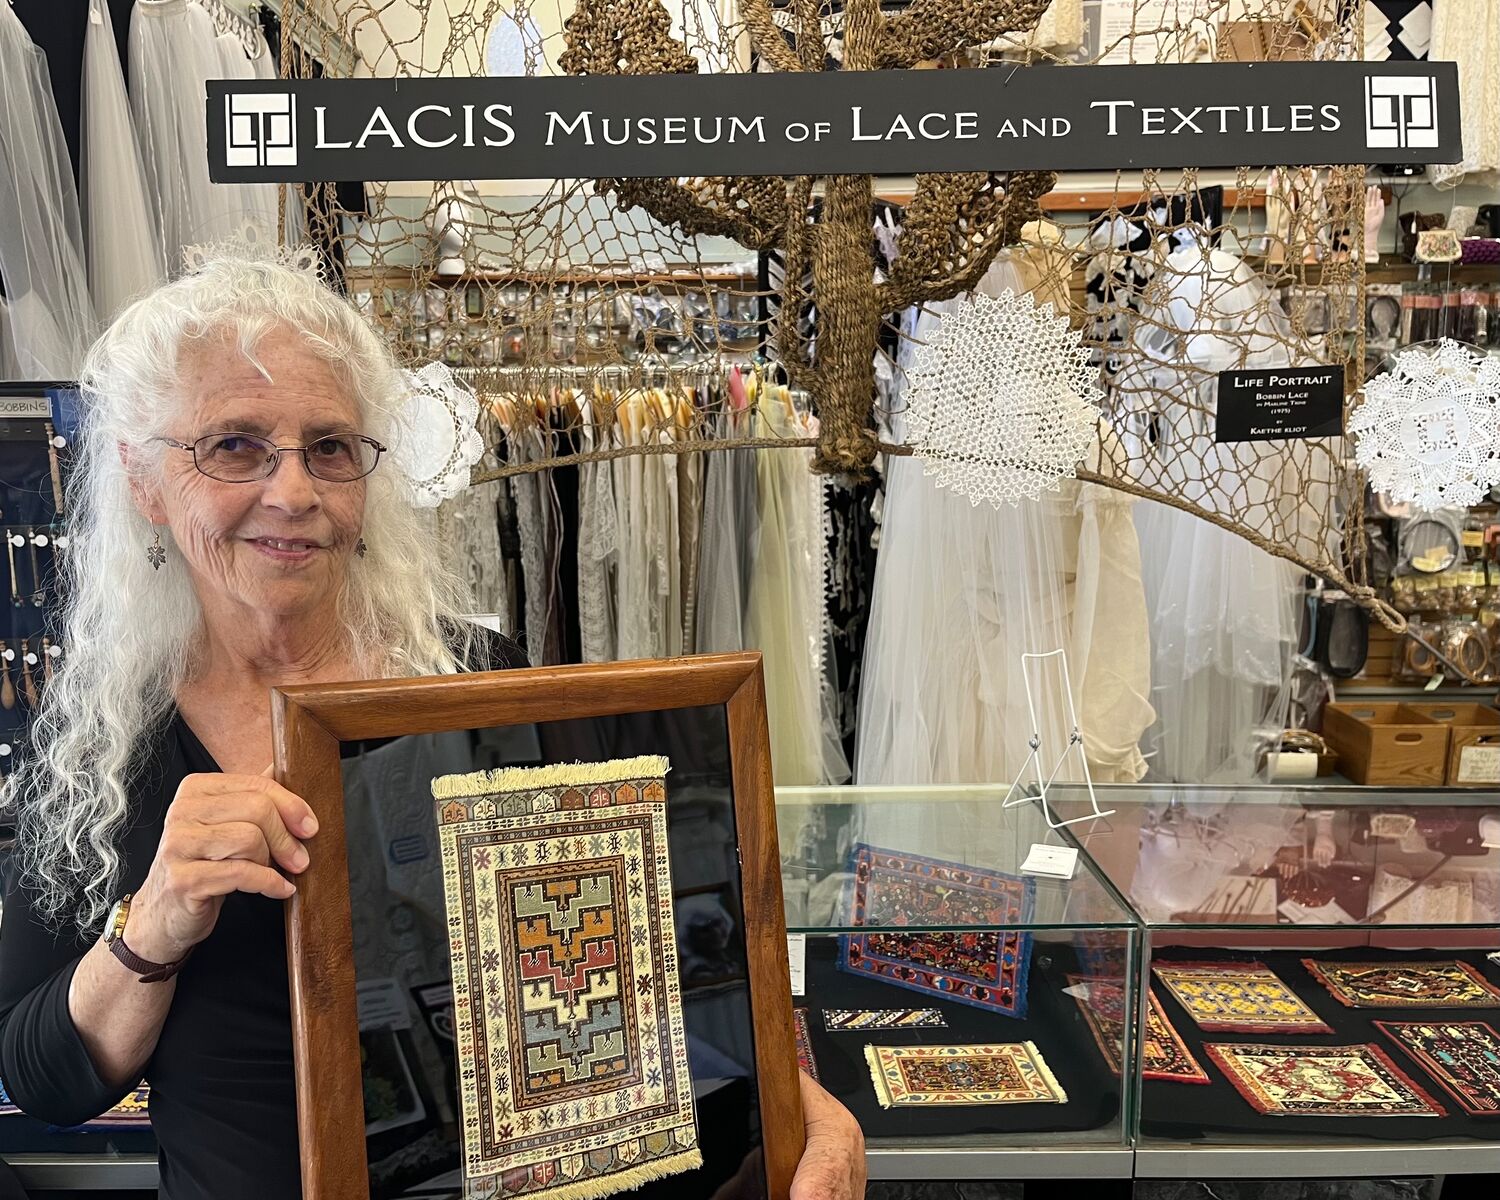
986,968
566,998
1226,997
1164,1055
1449,983
578,906
1010,1073
1463,1056
1322,1081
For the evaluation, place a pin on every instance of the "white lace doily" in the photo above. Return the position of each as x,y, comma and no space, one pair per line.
1429,431
1003,404
436,441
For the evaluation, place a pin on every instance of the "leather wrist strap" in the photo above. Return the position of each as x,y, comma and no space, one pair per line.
148,971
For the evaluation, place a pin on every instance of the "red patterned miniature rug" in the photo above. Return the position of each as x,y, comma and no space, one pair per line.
1322,1081
1164,1055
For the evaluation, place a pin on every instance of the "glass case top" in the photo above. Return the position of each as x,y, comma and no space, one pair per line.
1271,855
932,857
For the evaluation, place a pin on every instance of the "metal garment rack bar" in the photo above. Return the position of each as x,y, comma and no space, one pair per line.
621,376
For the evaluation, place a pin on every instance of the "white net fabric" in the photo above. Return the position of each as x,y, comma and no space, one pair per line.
596,288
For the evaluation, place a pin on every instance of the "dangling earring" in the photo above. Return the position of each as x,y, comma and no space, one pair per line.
360,548
156,553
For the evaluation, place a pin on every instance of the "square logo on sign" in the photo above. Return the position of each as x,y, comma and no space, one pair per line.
1400,112
260,129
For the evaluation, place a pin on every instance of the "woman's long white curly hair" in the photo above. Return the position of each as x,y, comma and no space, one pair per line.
132,633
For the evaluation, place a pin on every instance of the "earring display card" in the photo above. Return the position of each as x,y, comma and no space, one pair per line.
34,458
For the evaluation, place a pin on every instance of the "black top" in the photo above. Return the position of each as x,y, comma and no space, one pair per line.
223,1100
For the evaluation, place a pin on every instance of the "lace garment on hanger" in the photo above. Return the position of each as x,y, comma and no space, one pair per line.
1468,32
1223,611
124,246
785,618
51,315
962,591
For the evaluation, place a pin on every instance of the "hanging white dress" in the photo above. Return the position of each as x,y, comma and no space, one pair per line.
598,532
962,591
729,537
51,315
173,53
786,616
124,245
1223,611
264,67
259,202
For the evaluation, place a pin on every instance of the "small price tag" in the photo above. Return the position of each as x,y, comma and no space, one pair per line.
796,958
1056,861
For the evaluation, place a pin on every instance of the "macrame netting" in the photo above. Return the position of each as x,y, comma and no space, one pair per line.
556,270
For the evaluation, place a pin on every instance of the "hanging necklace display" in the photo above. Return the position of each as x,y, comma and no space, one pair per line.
55,442
28,684
39,589
12,540
7,688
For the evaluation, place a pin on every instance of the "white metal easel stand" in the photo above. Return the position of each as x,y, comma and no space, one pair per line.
1034,759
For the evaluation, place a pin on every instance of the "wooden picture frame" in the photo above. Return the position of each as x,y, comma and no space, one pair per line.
309,723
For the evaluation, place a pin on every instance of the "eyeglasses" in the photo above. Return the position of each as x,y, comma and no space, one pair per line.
245,458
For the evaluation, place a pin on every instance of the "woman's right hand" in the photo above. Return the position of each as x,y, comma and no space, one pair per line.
223,833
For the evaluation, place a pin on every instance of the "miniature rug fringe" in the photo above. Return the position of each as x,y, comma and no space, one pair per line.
521,779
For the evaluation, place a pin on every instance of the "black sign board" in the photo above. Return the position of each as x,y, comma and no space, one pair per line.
1280,402
834,122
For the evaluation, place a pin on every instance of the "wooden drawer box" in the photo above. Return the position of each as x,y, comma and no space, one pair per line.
1387,744
1473,742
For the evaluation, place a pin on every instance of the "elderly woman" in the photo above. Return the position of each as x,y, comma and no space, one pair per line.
234,531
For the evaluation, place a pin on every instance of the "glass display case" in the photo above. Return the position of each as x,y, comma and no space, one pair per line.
116,1151
973,1016
1323,991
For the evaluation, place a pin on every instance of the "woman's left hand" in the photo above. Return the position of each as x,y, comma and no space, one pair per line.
833,1162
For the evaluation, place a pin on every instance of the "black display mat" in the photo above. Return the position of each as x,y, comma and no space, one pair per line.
1180,1113
1053,1021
